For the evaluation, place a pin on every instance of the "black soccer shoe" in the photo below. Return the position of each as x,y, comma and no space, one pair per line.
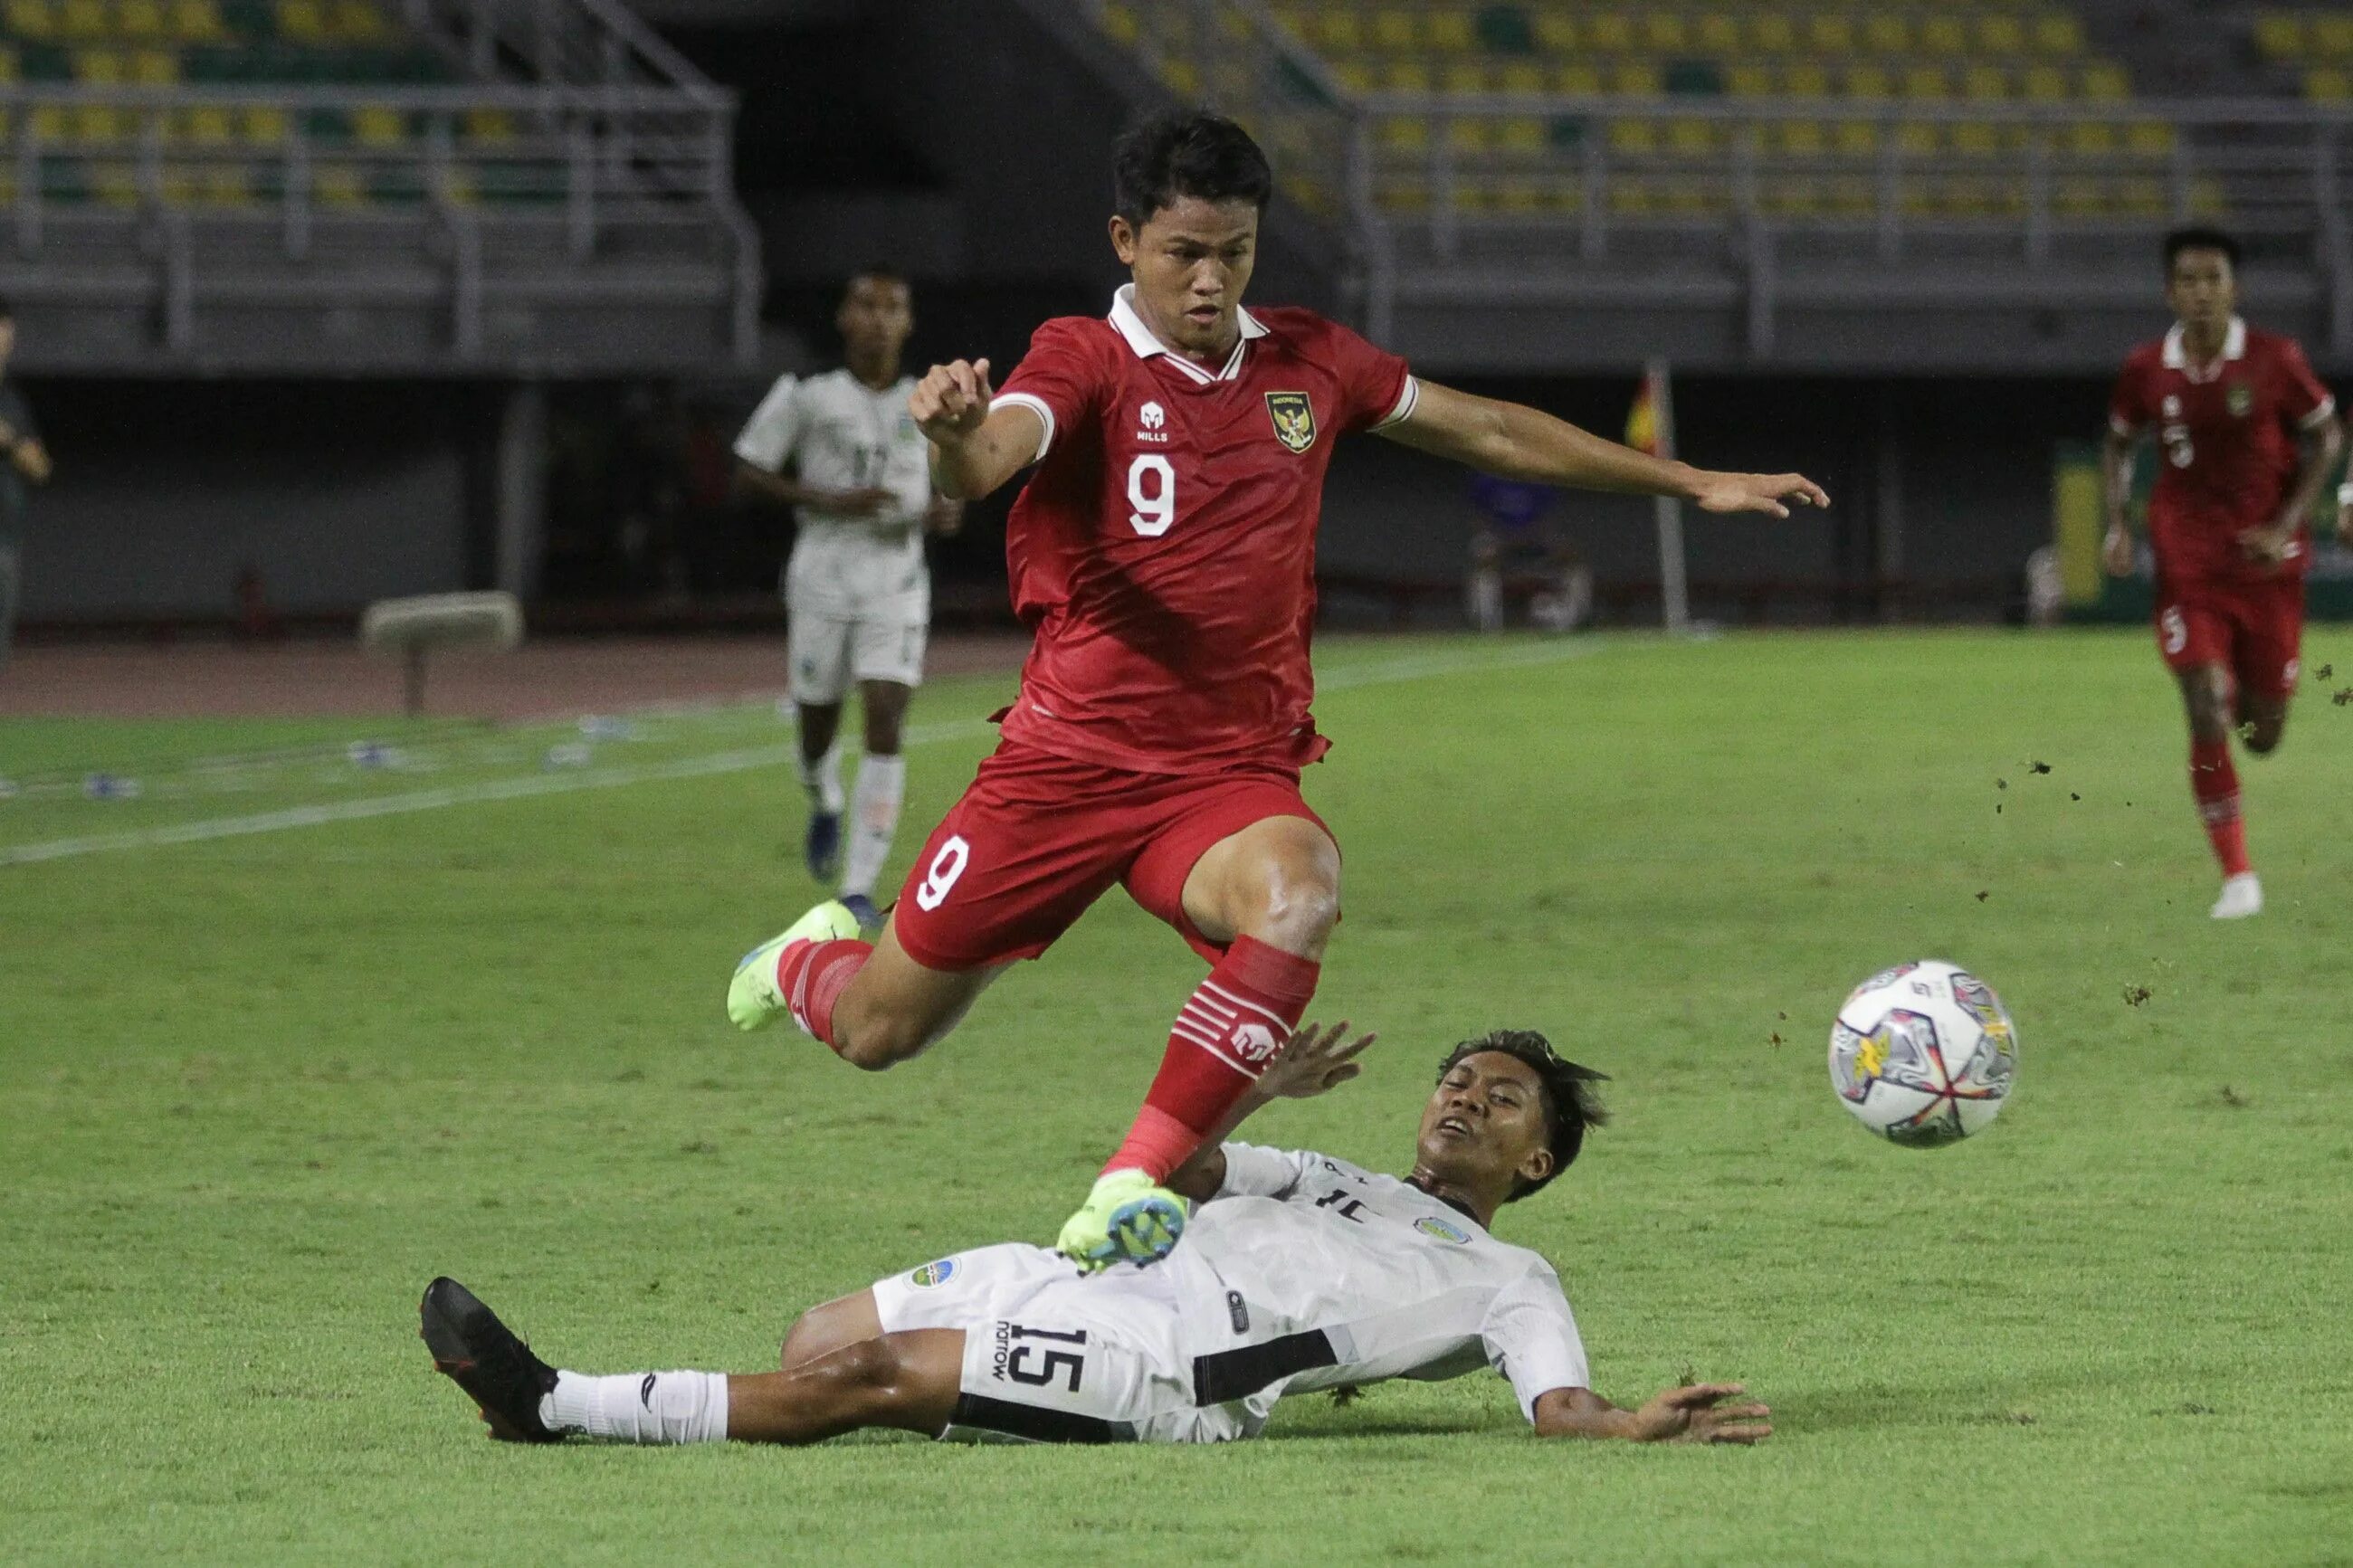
481,1355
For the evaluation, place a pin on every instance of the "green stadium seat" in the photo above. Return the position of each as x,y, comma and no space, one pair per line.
1505,30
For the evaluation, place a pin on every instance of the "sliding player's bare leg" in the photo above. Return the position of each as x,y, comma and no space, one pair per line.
2209,699
827,1328
1269,895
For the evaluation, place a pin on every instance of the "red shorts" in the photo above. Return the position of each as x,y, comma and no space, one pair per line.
1039,837
2252,629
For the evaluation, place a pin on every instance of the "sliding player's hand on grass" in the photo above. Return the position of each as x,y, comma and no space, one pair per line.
952,400
1313,1063
1698,1414
1773,493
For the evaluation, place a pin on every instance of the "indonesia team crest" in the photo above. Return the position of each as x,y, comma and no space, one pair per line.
2239,399
1294,419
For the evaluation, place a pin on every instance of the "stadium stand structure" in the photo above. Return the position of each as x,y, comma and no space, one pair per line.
366,186
1810,185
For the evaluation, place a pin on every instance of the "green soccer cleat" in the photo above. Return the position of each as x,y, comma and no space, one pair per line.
1126,1218
753,998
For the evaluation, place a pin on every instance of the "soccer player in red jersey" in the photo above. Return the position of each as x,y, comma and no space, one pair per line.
1164,554
2245,435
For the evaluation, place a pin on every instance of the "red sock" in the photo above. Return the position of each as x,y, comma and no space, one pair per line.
813,975
1228,1029
2215,783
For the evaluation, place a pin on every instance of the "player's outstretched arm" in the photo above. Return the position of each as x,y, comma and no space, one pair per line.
1517,442
1313,1062
974,447
1696,1414
2116,489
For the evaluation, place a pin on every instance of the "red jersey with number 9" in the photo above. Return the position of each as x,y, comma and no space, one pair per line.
1164,552
2226,445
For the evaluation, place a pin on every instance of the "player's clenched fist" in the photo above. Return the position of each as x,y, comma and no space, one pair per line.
952,400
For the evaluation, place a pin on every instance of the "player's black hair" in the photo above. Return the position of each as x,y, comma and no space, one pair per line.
2200,236
1569,1100
880,273
1192,154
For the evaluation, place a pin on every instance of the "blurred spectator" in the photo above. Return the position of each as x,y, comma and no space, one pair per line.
23,461
1517,551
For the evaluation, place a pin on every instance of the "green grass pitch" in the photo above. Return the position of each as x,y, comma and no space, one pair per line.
256,1089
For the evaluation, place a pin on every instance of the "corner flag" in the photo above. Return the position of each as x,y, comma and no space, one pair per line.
1651,427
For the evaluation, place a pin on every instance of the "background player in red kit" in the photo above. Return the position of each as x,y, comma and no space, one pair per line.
2245,437
1164,554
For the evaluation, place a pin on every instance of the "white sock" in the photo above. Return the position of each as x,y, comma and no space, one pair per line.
640,1406
822,779
882,785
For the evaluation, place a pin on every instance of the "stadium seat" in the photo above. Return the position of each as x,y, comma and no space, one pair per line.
2279,34
31,19
1832,34
2328,84
2332,35
2058,35
198,22
83,20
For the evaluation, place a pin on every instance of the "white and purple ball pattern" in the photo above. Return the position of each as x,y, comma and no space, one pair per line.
1924,1054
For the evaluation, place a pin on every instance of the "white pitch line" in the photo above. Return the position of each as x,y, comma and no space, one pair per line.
534,786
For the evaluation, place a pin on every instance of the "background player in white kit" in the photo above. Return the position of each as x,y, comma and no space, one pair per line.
858,593
1299,1272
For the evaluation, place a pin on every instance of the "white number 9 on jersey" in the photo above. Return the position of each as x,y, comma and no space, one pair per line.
1152,491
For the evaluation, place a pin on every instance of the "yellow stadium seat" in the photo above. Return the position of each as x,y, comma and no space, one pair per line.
2149,139
339,185
1943,35
1339,30
1868,82
1973,139
1850,195
2106,82
376,125
1608,33
1985,84
1516,196
1719,34
2332,35
98,68
116,185
1918,139
1664,32
1855,138
1690,138
1888,35
1520,76
2058,35
2328,84
198,22
1555,31
207,125
31,19
155,67
1468,136
1355,75
2073,196
1800,138
1773,33
49,123
2280,35
359,22
1807,81
1638,80
1634,138
7,74
1792,197
1405,75
1748,80
1393,31
1123,26
1523,136
1925,82
2091,139
2001,35
1830,34
1579,79
2045,84
1464,76
139,19
1449,32
1405,134
2207,201
82,19
1181,77
2139,196
99,124
304,21
489,125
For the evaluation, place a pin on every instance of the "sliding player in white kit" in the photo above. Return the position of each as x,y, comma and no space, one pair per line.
858,593
1299,1272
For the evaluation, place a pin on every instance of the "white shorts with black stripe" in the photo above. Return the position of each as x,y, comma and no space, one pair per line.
1051,1355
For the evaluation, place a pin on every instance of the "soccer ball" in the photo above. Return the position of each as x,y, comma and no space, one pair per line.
1924,1054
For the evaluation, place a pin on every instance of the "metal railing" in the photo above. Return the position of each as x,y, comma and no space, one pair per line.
579,43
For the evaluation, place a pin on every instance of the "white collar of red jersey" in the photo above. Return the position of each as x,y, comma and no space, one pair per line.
2234,346
1140,337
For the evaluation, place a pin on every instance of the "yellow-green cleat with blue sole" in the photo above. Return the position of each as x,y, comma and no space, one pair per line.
753,998
1128,1219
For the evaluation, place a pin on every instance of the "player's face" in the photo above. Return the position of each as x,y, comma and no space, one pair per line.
1484,1126
1191,261
2201,288
875,318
